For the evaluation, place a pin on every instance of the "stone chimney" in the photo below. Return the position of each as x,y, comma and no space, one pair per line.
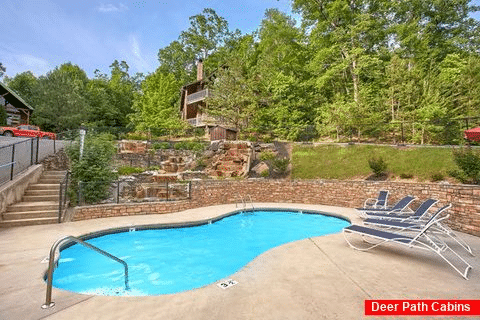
199,70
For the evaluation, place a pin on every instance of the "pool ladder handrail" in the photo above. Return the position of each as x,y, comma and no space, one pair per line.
244,201
251,202
48,300
241,199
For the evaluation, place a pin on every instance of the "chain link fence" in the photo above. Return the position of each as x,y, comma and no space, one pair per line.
18,154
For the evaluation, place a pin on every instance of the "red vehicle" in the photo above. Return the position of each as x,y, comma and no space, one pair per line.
473,134
26,130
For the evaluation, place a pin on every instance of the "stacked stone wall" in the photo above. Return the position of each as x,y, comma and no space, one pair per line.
465,199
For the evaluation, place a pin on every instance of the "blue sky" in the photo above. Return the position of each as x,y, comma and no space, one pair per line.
38,35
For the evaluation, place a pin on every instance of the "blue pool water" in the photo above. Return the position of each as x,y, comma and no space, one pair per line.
163,261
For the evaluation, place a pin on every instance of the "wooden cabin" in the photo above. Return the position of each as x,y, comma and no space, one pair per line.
192,108
18,111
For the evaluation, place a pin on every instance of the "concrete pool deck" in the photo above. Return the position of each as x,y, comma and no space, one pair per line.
315,278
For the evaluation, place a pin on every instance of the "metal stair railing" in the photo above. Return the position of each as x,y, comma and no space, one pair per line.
63,195
48,300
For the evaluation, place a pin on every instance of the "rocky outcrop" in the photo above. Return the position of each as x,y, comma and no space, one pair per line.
230,159
56,162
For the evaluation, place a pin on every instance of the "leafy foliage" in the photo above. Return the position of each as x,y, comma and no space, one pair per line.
160,145
155,109
349,70
267,155
129,170
280,165
378,165
92,174
2,69
189,145
468,162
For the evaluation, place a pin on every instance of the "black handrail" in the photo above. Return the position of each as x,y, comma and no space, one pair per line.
63,195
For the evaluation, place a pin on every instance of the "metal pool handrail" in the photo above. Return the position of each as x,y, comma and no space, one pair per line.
51,261
251,202
241,198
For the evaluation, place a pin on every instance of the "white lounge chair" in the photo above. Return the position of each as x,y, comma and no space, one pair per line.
377,203
421,240
437,228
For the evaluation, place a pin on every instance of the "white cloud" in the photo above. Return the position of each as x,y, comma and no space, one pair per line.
16,62
112,8
36,64
133,55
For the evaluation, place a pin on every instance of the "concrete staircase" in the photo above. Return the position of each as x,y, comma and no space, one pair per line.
39,204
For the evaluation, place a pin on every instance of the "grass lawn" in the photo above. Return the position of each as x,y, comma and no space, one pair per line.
351,162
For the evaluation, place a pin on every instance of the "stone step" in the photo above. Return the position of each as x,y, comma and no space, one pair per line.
27,222
33,206
52,192
43,180
7,216
41,198
44,186
57,173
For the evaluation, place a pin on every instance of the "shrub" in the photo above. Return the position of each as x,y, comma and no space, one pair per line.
129,170
265,173
137,136
267,138
93,172
438,176
160,145
267,155
406,175
189,145
280,165
201,164
378,165
468,162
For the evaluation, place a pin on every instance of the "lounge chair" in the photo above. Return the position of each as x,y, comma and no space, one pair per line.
421,240
377,203
420,213
437,228
400,207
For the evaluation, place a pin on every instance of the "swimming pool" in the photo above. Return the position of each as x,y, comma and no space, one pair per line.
171,260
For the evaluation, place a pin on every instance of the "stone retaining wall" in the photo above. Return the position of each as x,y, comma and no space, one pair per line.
465,199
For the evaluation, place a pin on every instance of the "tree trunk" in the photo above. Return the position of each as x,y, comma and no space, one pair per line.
355,81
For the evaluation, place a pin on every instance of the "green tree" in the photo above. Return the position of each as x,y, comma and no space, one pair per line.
155,108
429,30
111,97
61,99
2,70
25,84
347,38
286,95
234,98
207,35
